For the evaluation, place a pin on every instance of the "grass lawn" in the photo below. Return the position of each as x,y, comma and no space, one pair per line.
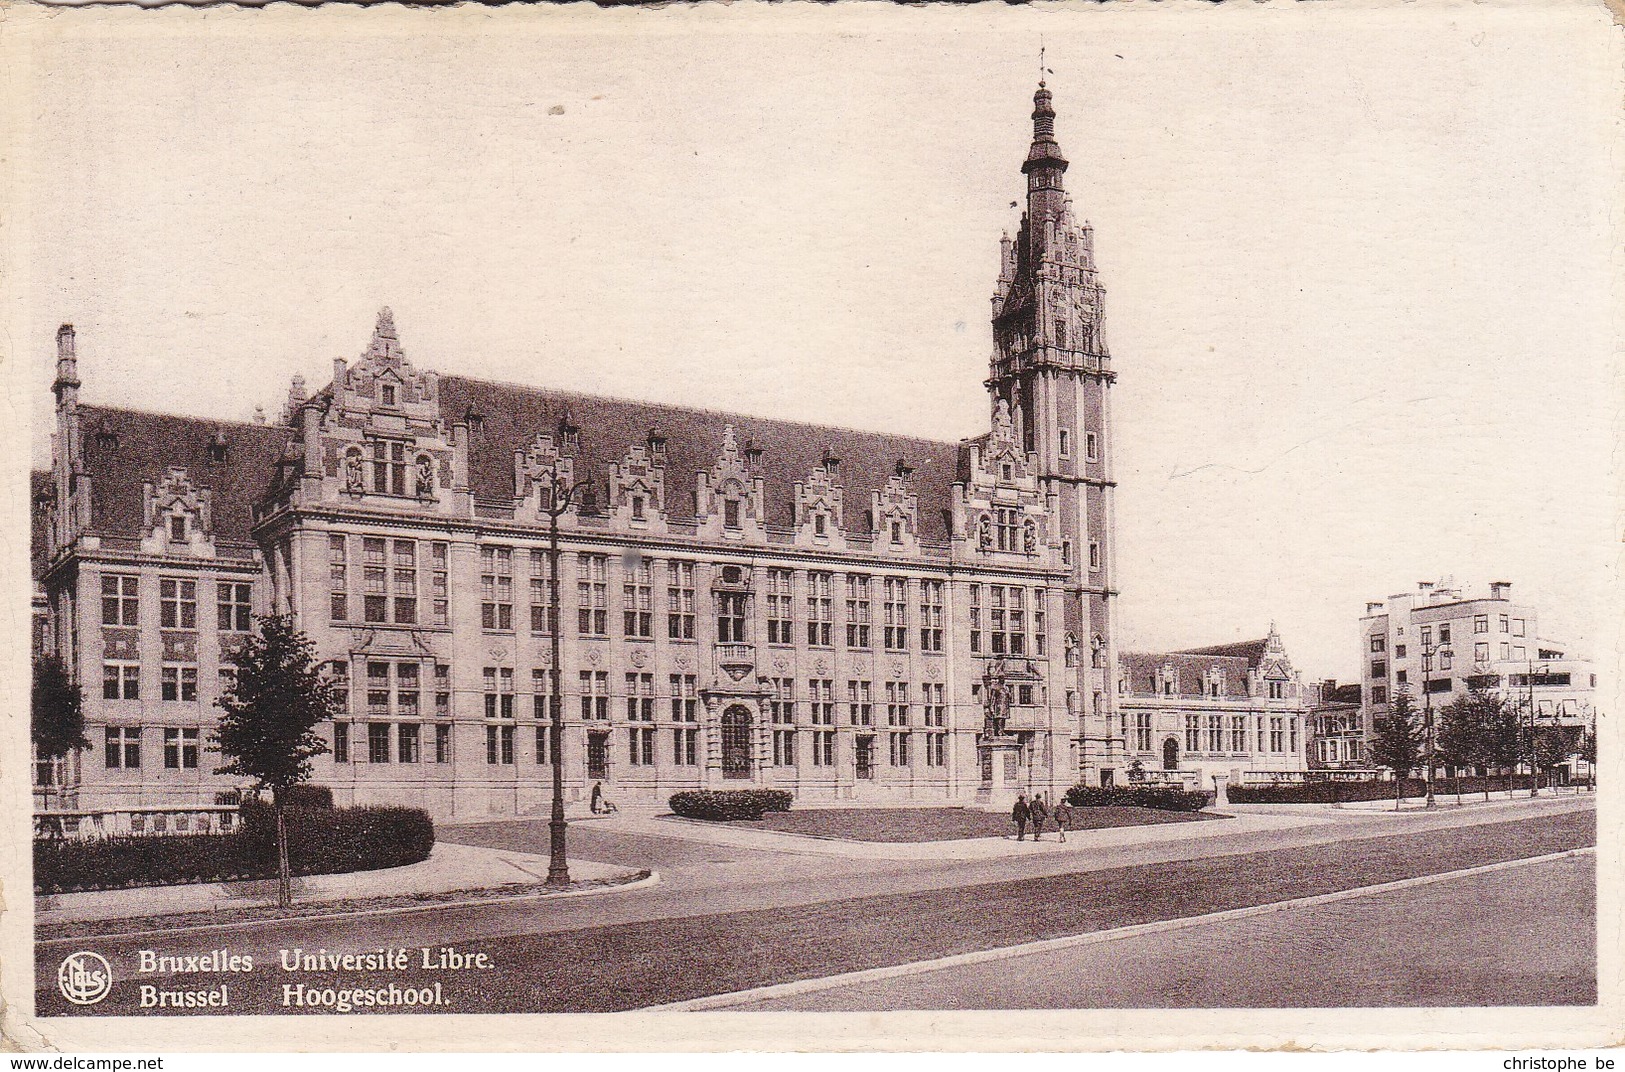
943,824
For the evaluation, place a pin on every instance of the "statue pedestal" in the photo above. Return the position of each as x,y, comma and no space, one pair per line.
1000,759
1221,798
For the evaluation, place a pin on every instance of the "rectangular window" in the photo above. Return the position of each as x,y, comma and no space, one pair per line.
546,745
1215,733
1506,624
406,582
439,589
898,754
234,602
1427,638
388,464
897,712
685,747
1481,623
779,613
121,599
1277,735
595,695
684,697
1238,733
545,700
1481,651
1193,733
406,742
1142,731
976,618
823,748
592,595
930,615
1094,554
338,579
1379,643
895,610
499,745
821,708
820,610
860,703
784,748
857,611
1040,623
781,708
640,697
680,600
1091,446
341,742
123,747
935,706
731,616
544,616
1066,444
1379,668
1444,633
640,747
1399,651
377,742
442,743
499,698
121,681
180,749
1519,625
496,589
179,683
1379,694
177,603
637,593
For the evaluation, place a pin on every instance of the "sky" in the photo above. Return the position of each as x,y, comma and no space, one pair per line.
1357,266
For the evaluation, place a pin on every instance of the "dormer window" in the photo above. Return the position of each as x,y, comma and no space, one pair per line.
388,394
388,467
730,513
896,532
637,508
1007,472
177,529
218,451
820,525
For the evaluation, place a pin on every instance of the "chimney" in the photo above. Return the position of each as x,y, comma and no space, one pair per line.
753,455
66,387
1374,607
1499,589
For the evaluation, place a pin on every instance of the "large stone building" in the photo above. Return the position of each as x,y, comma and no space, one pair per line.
743,601
1436,643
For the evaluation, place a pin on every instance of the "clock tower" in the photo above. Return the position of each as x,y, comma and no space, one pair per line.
1051,367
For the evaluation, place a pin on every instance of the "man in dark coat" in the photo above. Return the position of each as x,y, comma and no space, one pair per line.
1038,813
1021,813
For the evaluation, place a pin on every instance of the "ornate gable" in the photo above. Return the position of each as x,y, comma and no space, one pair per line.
820,505
176,516
728,501
535,472
1005,511
896,511
637,489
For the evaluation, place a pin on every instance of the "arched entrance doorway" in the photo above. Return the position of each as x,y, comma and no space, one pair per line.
1170,754
737,750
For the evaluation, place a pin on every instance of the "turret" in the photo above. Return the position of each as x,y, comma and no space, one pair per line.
66,387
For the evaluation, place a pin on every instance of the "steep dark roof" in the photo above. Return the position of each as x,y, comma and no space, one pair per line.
149,444
1251,650
1138,667
511,416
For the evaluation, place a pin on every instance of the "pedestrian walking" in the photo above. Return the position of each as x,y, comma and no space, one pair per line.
1039,813
597,803
1020,814
1063,817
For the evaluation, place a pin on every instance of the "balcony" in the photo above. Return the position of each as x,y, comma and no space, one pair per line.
735,660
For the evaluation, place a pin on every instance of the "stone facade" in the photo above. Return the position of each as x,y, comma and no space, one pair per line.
742,602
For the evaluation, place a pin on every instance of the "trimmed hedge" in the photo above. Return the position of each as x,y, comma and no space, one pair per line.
1329,792
321,841
727,805
1137,796
305,795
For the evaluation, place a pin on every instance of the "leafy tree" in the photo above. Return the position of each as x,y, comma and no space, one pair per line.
57,726
1553,745
1464,728
1504,738
278,697
1398,742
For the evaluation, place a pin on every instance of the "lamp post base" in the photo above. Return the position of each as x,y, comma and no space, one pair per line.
558,868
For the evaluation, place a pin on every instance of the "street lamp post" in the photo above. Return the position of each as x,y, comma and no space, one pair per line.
1427,715
560,497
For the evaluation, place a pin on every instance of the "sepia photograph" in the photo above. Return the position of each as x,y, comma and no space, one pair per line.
1093,511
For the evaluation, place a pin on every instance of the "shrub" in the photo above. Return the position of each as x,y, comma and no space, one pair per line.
1329,792
729,804
321,841
1137,796
305,795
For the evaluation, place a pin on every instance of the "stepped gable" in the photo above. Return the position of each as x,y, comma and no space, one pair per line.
511,416
1138,668
122,448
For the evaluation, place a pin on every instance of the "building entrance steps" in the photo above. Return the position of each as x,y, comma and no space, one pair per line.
450,868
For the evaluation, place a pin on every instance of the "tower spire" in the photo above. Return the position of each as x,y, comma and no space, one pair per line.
1044,165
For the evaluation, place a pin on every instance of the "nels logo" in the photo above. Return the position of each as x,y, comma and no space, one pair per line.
84,978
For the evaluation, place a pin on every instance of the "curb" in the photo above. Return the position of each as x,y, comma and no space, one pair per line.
648,880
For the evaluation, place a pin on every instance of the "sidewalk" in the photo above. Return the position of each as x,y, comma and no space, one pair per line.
1411,805
450,868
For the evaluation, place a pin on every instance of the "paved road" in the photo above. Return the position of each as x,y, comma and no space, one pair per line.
1522,936
717,923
